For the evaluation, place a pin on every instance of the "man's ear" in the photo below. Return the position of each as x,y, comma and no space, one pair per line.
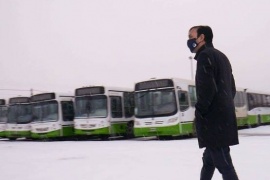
201,38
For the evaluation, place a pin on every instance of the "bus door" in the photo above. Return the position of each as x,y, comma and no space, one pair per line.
67,120
117,121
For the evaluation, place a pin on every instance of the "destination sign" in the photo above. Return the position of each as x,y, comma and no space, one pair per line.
154,84
2,102
19,100
43,97
90,91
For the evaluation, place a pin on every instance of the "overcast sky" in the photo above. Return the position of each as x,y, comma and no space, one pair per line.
60,45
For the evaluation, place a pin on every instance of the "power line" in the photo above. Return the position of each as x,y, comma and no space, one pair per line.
22,90
14,90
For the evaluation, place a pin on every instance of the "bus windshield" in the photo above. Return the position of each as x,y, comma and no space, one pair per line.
45,111
3,114
20,113
155,103
91,106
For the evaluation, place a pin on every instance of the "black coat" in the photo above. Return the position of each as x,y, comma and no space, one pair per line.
215,117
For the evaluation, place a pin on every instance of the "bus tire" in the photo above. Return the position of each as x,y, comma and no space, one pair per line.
165,138
105,137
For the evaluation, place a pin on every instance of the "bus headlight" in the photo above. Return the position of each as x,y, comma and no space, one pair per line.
137,123
172,120
55,127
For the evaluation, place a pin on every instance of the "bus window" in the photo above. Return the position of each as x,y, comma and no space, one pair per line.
24,113
192,95
264,102
259,99
268,100
239,99
251,101
116,107
3,114
67,110
183,100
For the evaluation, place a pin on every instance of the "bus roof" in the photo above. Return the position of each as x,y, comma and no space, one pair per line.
94,90
257,92
18,100
161,83
49,96
172,78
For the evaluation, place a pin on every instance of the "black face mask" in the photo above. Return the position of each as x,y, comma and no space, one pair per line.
192,44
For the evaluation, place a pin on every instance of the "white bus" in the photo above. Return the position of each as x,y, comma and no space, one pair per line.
53,115
164,107
258,108
241,107
104,111
19,118
3,117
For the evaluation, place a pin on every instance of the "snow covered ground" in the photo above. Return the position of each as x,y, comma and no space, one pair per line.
134,159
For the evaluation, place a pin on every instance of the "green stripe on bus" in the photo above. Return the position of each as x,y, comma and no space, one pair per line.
68,131
175,130
101,131
115,129
2,134
18,134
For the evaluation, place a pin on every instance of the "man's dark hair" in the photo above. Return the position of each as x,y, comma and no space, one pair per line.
206,30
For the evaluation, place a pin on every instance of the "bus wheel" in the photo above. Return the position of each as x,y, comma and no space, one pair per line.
164,138
105,137
12,139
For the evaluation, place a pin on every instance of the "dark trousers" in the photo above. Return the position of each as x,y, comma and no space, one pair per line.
219,158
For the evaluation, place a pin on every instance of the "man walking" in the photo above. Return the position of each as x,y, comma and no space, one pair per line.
215,117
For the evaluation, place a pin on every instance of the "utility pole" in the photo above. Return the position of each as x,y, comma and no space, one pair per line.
191,66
